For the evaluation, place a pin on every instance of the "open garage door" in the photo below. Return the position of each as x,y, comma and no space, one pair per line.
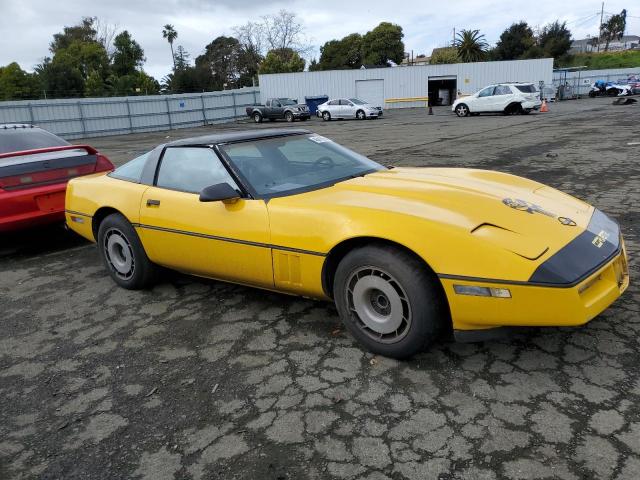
371,91
442,90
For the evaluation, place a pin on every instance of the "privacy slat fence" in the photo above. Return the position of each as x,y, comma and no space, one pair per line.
93,117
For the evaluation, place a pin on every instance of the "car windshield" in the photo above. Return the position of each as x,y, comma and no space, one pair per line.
357,101
18,139
286,101
284,165
526,88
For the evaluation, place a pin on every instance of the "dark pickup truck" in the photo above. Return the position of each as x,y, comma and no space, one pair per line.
276,108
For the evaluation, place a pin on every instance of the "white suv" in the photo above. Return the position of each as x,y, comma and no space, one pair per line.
507,98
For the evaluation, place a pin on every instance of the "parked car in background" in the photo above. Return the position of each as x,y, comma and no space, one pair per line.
348,108
279,108
507,98
35,166
405,253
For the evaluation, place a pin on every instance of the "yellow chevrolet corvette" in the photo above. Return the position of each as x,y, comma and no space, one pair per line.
404,252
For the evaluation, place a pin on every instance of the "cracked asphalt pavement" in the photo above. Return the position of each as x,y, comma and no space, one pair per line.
202,379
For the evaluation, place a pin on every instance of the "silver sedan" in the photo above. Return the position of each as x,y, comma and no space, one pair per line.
348,108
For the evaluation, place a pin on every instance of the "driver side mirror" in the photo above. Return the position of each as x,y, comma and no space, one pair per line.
219,192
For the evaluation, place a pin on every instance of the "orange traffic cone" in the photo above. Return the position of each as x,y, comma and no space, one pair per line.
544,107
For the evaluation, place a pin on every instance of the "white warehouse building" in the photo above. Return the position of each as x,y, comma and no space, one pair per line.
439,82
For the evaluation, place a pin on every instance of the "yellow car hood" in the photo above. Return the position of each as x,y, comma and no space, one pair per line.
519,215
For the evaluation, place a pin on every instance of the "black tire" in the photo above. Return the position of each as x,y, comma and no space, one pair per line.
257,117
513,109
288,116
116,236
462,110
360,115
393,290
326,116
592,94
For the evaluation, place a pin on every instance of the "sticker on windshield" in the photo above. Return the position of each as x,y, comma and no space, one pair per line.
319,139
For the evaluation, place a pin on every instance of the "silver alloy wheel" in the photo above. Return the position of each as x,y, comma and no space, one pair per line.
378,304
360,115
288,116
257,117
326,116
462,110
119,254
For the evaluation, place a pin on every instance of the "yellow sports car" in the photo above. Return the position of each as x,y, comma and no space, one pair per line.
404,252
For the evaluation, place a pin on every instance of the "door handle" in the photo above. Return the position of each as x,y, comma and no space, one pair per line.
153,203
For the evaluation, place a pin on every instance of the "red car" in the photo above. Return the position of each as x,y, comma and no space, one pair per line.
35,166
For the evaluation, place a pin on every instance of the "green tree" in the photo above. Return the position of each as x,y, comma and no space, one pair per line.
128,55
341,54
95,85
444,55
170,34
221,60
61,77
383,44
282,61
471,46
84,32
555,39
613,29
16,84
181,58
514,42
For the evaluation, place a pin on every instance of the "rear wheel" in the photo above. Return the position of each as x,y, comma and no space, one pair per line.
388,300
123,255
462,110
288,117
513,109
257,117
326,116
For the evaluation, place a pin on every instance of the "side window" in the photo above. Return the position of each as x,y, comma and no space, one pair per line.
190,169
345,102
275,104
487,92
502,90
132,170
334,102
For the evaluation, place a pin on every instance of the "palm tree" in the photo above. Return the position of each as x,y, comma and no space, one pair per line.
170,34
471,46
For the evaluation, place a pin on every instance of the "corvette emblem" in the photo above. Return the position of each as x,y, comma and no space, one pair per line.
528,207
599,239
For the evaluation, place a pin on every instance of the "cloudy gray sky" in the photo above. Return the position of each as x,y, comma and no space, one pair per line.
26,26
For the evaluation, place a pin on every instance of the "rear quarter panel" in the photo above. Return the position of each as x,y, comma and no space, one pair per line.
87,195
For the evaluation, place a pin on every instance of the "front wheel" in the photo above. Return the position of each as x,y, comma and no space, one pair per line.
388,300
288,117
462,110
326,116
360,115
123,254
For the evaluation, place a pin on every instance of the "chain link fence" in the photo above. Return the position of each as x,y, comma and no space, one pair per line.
92,117
569,85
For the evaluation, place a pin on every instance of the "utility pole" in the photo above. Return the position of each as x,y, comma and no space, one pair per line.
600,30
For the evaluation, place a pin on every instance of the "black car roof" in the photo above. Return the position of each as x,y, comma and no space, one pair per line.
237,136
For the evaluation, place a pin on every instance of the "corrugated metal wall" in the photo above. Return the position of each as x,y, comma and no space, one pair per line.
92,117
404,82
